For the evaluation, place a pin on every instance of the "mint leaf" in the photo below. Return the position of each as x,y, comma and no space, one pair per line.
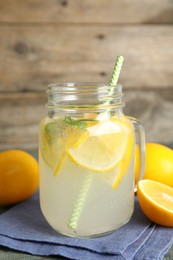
59,127
52,130
82,125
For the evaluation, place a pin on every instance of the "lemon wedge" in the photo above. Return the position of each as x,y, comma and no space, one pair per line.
55,138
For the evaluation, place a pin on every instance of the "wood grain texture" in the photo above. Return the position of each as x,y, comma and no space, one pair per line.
21,113
87,11
154,108
33,56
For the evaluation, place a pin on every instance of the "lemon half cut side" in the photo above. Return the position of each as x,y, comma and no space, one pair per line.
156,201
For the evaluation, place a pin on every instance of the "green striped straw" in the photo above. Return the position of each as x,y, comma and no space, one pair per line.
74,218
116,71
79,203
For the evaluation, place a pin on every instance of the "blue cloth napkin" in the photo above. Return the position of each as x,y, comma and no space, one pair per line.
24,228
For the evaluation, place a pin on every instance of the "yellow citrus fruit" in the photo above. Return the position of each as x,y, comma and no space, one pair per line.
80,140
56,138
159,163
156,201
19,176
106,145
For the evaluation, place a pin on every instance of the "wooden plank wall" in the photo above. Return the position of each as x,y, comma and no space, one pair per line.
46,41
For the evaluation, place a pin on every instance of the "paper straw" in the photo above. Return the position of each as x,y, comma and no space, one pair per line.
116,71
73,221
80,201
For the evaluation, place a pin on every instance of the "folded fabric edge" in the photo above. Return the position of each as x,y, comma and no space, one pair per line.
51,243
44,249
133,248
157,245
165,251
67,243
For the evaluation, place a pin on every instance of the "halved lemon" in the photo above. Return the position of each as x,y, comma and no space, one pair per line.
106,145
156,201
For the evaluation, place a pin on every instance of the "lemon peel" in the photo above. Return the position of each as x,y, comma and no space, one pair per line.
60,163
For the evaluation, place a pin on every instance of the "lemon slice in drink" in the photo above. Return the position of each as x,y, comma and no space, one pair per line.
58,135
104,147
55,138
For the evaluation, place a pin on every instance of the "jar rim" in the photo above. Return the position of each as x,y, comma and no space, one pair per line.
82,86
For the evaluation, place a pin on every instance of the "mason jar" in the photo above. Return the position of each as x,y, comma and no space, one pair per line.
86,159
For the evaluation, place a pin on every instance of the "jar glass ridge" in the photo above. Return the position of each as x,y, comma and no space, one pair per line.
82,96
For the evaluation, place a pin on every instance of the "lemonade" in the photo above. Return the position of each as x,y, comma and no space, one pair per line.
86,157
87,173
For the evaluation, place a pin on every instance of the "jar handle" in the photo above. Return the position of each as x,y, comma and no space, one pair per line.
140,139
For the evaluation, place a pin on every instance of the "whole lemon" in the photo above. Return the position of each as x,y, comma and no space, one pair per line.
19,176
159,163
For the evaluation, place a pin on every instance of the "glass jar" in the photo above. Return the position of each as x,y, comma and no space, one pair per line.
86,158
